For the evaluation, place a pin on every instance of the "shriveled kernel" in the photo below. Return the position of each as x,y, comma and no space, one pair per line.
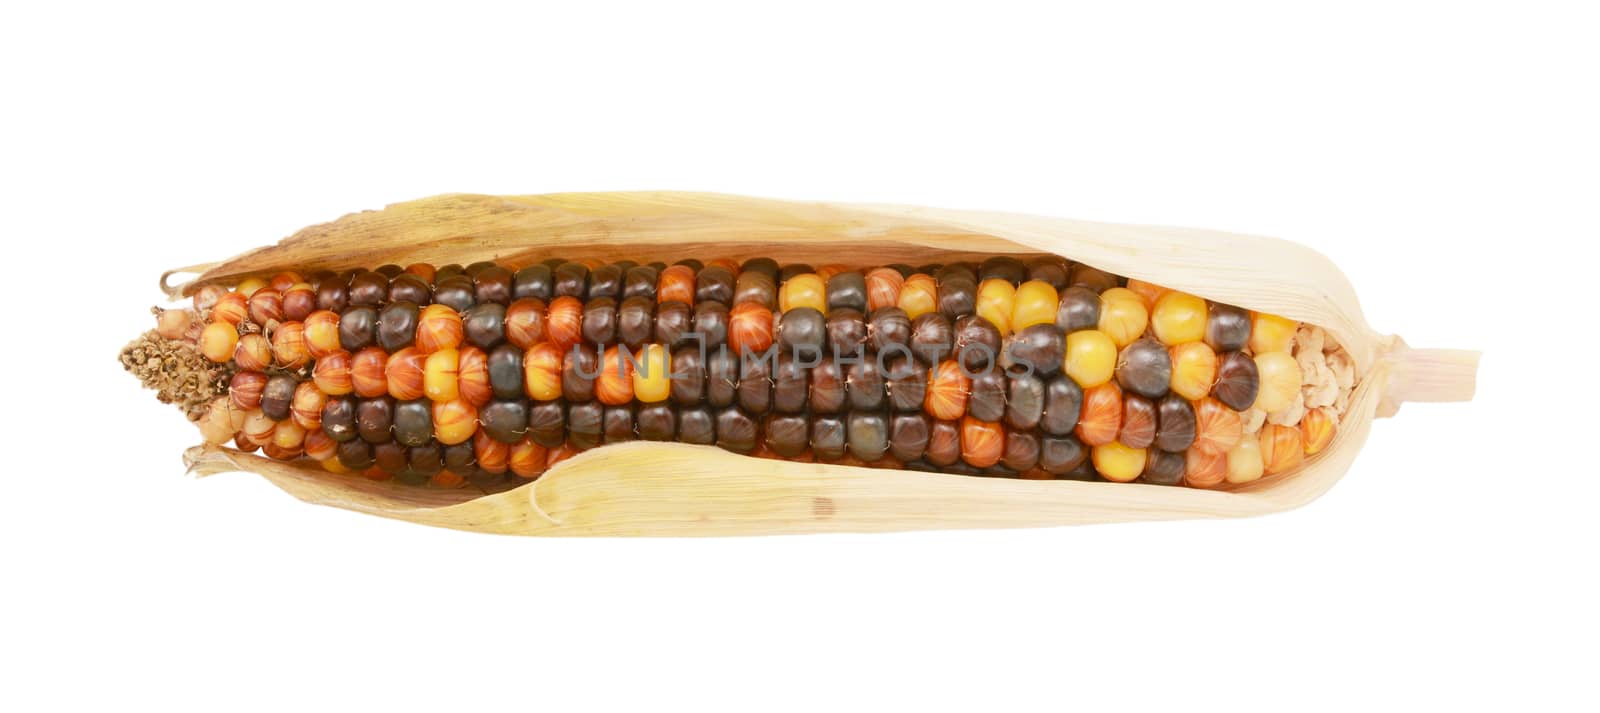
1270,333
1117,462
1280,380
441,375
996,301
1178,318
1194,370
919,295
218,340
1317,429
1281,448
173,323
1091,357
807,290
1244,461
207,296
1123,316
1035,302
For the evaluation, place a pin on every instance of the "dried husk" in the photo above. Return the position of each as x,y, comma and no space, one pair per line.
675,489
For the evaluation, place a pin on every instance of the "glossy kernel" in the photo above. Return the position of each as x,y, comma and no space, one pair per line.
403,374
367,372
1270,333
919,295
1091,358
614,387
805,290
883,288
1123,316
982,442
218,341
996,301
1244,462
454,421
1217,427
1035,302
231,307
1281,448
563,324
1178,318
472,376
253,351
652,382
1117,462
439,328
1101,418
322,333
1149,292
1194,370
441,375
1280,381
1317,429
332,373
750,328
305,409
541,372
289,348
946,397
1204,468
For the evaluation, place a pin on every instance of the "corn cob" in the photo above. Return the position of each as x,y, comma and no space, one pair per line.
1349,374
489,374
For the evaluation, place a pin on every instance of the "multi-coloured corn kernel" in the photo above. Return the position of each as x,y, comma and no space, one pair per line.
487,375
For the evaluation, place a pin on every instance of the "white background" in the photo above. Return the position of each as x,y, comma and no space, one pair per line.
1444,154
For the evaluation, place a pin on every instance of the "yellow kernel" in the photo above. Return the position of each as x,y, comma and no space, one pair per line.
332,465
1123,316
440,375
218,340
919,295
651,383
1270,333
1194,370
1117,462
996,299
807,290
1244,461
1179,318
1036,303
289,436
1091,358
249,285
1280,381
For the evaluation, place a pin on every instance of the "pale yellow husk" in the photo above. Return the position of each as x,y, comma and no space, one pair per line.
674,489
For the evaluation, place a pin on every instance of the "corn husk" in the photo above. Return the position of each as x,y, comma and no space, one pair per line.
675,489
